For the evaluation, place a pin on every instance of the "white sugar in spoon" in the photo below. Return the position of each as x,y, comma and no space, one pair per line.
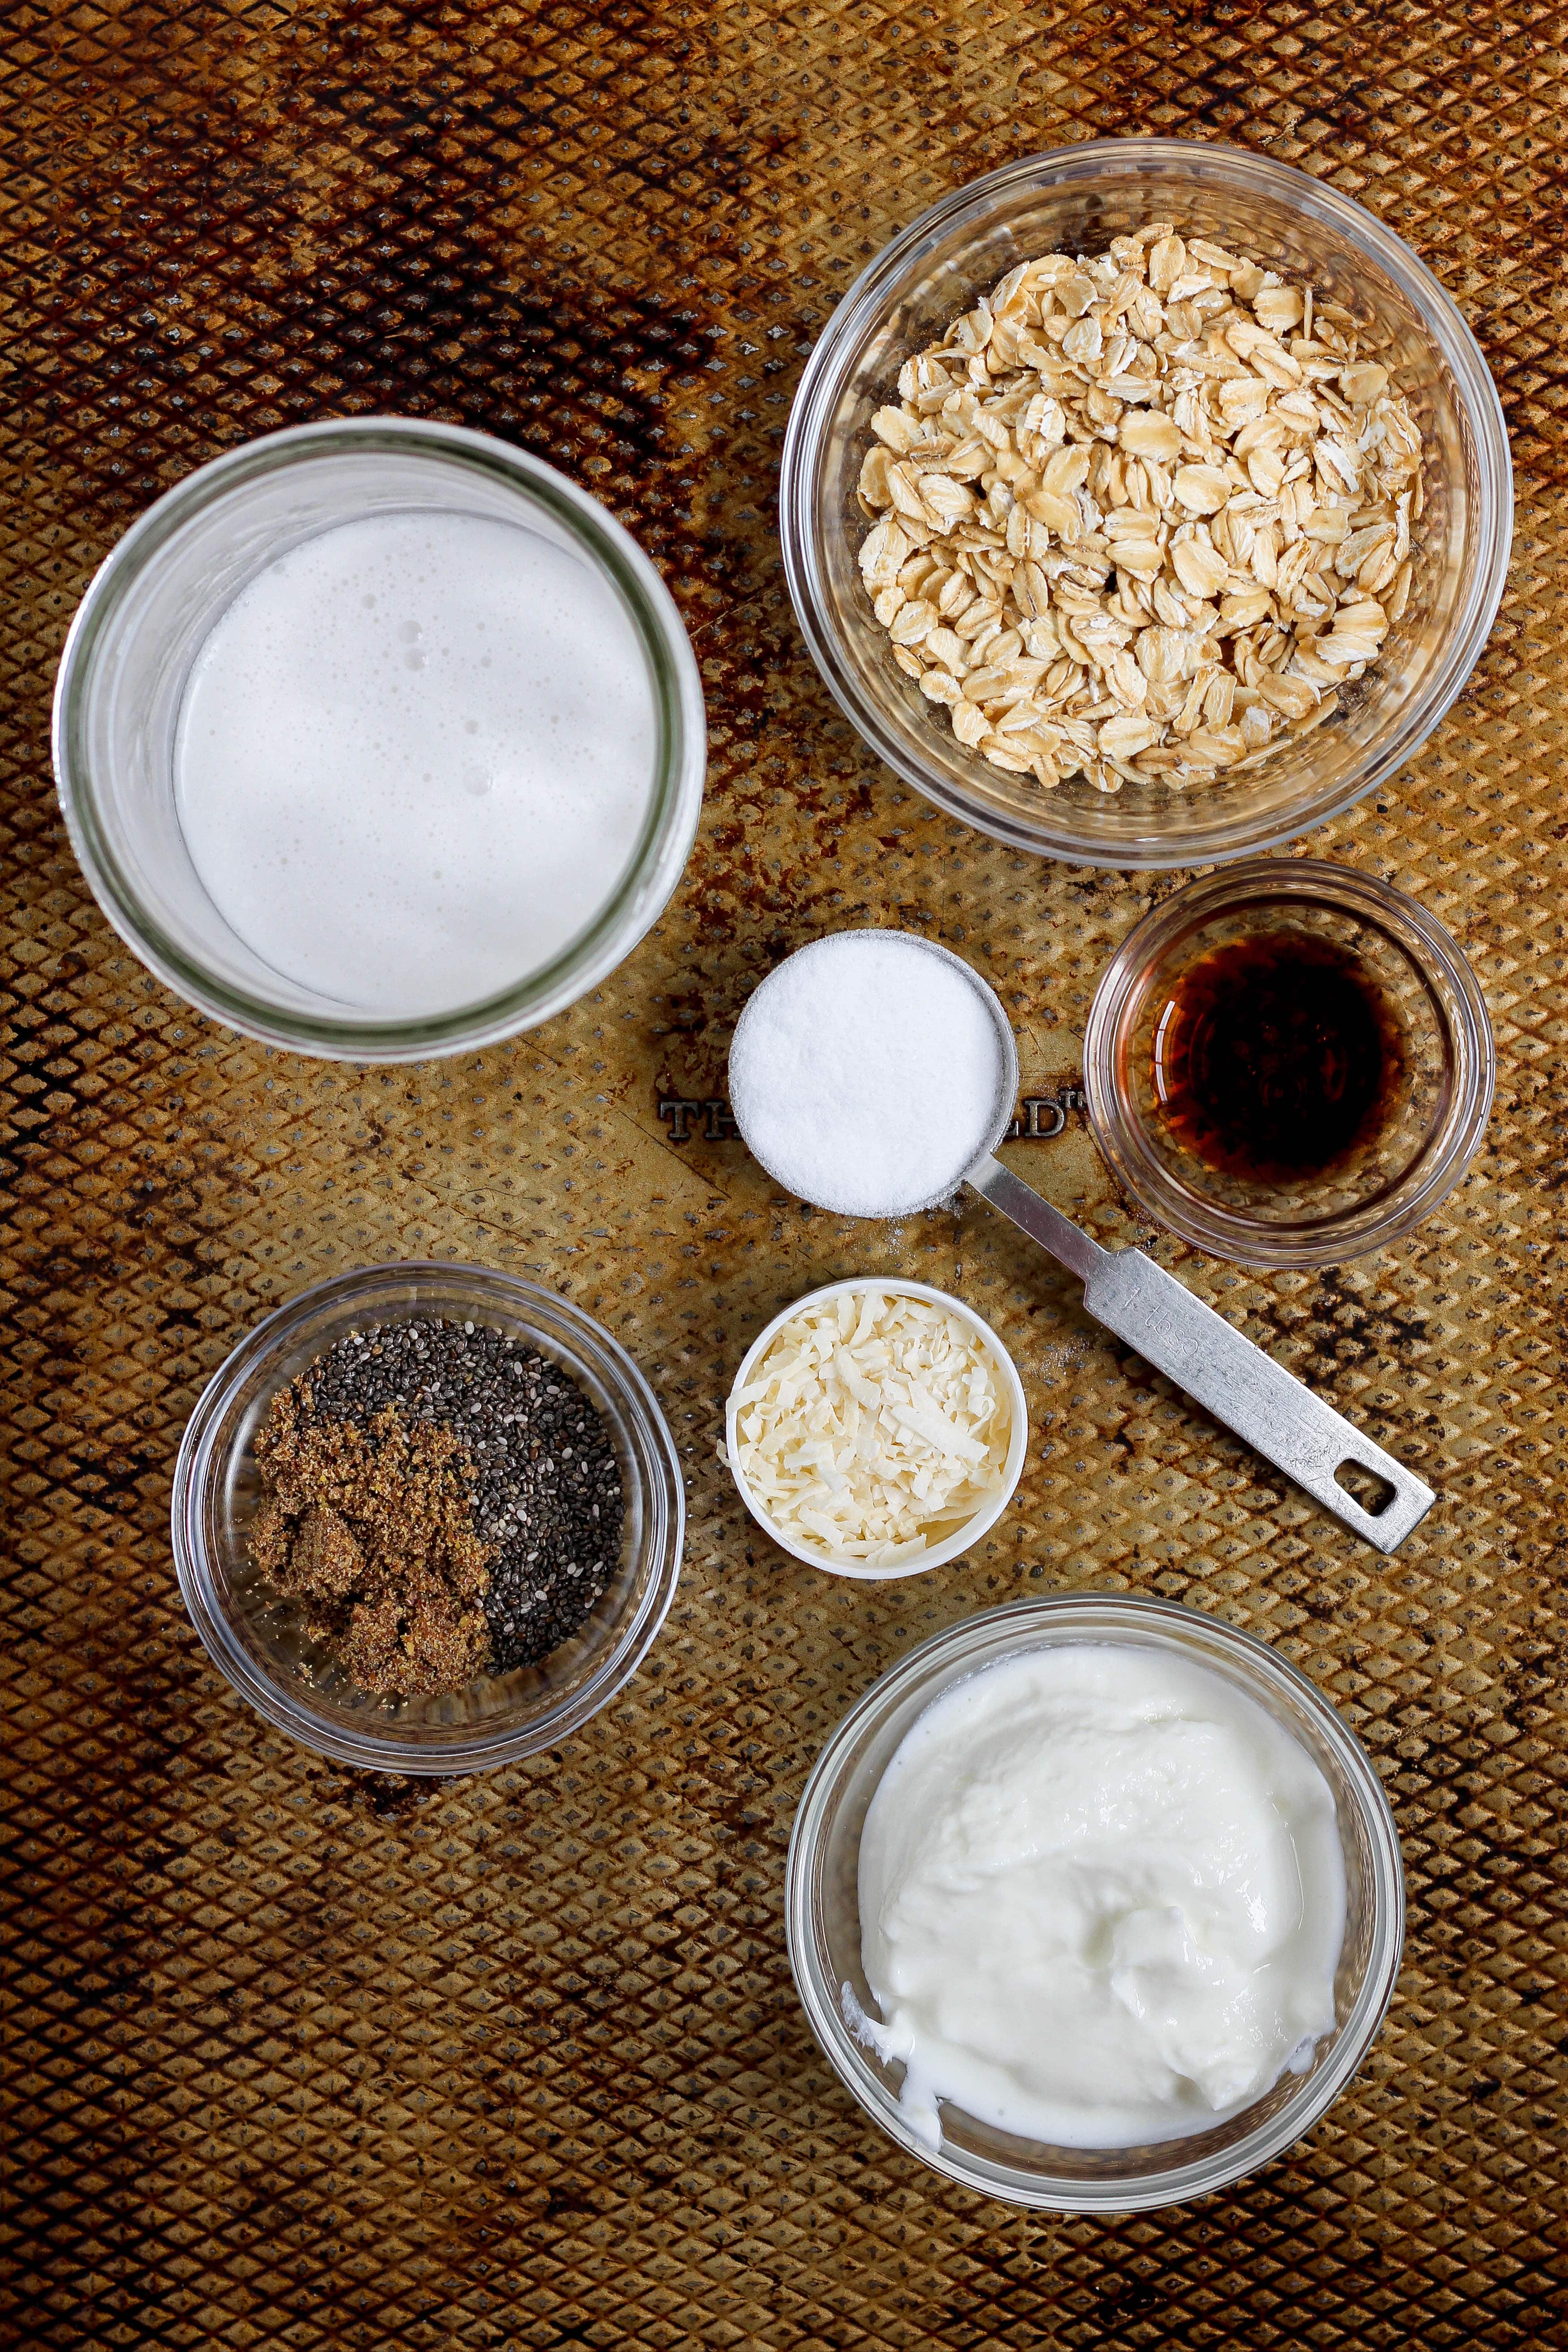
873,1074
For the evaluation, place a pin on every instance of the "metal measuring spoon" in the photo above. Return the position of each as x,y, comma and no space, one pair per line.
1277,1414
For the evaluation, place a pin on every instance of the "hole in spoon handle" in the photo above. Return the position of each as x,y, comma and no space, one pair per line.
1278,1416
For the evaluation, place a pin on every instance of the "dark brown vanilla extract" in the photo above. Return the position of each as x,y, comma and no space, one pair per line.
1274,1057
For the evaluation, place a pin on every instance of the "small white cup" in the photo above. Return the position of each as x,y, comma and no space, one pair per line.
973,1529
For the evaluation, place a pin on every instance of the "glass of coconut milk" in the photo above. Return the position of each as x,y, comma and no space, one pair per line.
379,738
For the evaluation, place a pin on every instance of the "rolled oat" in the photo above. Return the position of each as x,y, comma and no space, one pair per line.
1142,516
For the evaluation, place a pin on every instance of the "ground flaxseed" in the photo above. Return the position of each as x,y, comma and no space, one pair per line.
373,1531
543,1496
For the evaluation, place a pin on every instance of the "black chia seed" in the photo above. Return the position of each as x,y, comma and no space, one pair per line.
549,1495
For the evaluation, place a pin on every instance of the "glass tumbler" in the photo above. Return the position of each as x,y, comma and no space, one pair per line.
822,1908
142,622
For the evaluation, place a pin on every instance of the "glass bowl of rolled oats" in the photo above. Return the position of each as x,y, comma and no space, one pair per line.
1145,503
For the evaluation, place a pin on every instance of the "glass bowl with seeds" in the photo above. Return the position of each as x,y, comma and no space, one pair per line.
427,1519
1146,503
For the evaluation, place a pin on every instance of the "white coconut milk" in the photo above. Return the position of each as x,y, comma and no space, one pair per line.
414,757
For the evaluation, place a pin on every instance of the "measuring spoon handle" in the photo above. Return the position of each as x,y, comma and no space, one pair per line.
1207,1356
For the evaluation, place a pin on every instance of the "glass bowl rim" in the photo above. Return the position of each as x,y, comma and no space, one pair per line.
675,804
819,394
1344,1236
1152,1622
292,1713
974,1530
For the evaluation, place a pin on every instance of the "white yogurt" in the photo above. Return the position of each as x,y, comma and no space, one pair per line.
1102,1898
414,757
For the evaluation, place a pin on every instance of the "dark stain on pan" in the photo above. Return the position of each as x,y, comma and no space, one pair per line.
384,1796
424,285
1346,1326
221,283
411,307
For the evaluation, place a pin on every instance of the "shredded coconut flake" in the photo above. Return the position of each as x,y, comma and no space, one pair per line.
875,1425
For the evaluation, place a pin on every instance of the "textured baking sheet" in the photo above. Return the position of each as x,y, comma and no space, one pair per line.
294,2057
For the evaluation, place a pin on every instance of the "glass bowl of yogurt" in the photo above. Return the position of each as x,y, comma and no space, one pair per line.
379,738
1095,1904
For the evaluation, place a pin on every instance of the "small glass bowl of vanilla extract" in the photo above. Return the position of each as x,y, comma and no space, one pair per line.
1288,1063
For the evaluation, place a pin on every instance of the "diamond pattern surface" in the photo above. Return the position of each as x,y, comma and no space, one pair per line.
296,2057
